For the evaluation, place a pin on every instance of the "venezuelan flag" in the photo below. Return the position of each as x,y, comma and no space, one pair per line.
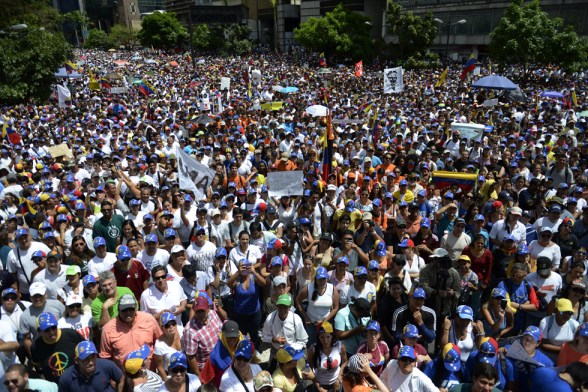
328,147
104,83
146,88
469,66
322,60
442,78
70,67
444,179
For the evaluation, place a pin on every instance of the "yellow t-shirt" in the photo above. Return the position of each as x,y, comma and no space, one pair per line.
281,382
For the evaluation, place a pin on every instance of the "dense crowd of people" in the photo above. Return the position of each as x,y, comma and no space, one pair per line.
377,275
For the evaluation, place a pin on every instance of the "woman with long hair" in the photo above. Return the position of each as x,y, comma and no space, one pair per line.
287,376
305,275
75,318
130,231
577,349
137,377
567,241
180,379
80,254
580,255
374,349
327,359
168,343
323,303
497,316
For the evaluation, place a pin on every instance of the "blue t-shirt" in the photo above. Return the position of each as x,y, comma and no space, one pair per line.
246,301
548,380
503,378
524,370
449,378
106,370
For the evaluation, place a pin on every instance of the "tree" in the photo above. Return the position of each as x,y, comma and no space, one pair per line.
233,38
237,39
341,32
162,30
415,33
98,39
202,37
527,35
121,35
28,63
76,19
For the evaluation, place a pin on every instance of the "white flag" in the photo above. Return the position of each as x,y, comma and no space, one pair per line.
193,175
393,80
64,96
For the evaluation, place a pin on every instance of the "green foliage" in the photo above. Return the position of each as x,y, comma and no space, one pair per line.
121,35
415,34
29,61
97,39
227,39
33,13
341,33
527,35
162,30
427,61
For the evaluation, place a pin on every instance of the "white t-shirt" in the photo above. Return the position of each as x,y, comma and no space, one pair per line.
193,384
101,264
154,301
164,351
552,252
14,318
230,382
554,333
349,291
23,273
550,285
7,358
201,257
397,381
161,257
252,254
82,324
54,282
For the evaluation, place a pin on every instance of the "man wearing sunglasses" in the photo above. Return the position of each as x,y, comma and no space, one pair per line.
54,350
17,380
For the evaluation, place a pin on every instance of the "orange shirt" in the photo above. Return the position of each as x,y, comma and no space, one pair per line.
118,339
284,166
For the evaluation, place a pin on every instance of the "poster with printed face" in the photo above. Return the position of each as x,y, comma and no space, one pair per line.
285,183
393,80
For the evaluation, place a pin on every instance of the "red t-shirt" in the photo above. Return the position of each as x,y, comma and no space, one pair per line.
134,278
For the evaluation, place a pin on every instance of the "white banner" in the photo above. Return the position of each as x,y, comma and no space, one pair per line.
491,102
193,175
64,96
393,80
119,90
225,83
285,183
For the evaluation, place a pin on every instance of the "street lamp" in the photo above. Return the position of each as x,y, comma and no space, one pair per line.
449,25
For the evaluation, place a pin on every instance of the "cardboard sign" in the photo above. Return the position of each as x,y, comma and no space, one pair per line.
60,150
516,351
119,90
225,83
285,183
491,102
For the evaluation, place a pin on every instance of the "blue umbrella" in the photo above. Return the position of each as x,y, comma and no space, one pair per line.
495,82
552,94
289,90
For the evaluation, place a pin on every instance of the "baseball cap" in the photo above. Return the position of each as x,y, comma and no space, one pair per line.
231,329
7,291
37,288
99,241
177,249
533,332
88,279
21,232
439,252
169,232
373,264
448,195
498,292
45,321
287,354
178,359
38,254
278,280
166,317
410,331
127,301
326,327
407,352
564,305
487,353
73,299
85,349
321,273
263,379
451,357
360,271
151,238
544,265
244,349
134,360
221,252
350,206
523,249
425,222
274,243
479,217
373,325
276,260
406,243
123,252
419,292
465,312
362,306
284,299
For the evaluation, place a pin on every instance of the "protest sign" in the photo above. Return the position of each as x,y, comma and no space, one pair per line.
285,183
64,96
491,102
516,351
393,80
193,175
119,90
469,131
225,83
60,150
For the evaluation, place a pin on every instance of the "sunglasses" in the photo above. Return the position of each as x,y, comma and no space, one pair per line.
178,370
570,314
8,382
74,306
158,278
51,329
9,298
170,324
243,359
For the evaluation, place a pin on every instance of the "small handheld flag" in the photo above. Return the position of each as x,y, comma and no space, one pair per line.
359,69
469,66
322,60
146,88
442,78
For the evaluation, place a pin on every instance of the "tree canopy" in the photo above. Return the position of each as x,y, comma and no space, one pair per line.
415,33
528,35
227,39
162,30
341,33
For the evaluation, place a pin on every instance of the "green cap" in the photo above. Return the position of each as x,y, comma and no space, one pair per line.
73,270
284,299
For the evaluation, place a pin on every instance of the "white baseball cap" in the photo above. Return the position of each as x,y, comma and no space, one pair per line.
37,288
73,299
